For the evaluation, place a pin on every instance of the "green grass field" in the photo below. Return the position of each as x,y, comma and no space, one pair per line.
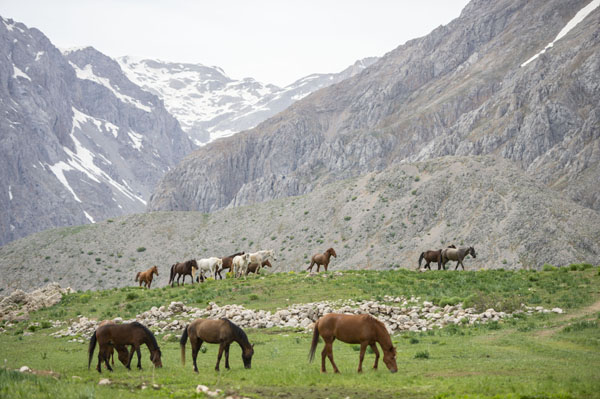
537,356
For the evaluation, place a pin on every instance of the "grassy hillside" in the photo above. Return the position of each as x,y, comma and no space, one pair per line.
530,356
378,221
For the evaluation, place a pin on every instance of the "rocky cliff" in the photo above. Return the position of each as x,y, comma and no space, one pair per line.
462,89
376,221
79,142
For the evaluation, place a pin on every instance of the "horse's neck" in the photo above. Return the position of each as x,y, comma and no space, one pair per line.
327,255
382,336
244,344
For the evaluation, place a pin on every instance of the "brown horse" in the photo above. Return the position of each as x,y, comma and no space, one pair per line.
222,332
121,349
146,277
361,329
252,267
322,259
110,336
227,260
187,268
458,255
432,256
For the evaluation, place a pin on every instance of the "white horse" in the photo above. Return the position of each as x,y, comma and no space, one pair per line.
257,258
240,265
210,265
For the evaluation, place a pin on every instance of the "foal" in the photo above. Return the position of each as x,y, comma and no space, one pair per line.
146,277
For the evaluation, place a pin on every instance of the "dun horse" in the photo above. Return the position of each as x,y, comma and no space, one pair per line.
361,329
111,336
432,256
222,332
322,259
187,268
146,277
457,254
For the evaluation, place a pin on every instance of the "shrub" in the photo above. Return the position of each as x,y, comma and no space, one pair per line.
422,355
253,297
346,218
413,340
141,249
131,295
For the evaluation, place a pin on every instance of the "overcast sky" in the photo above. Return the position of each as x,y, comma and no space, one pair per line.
273,41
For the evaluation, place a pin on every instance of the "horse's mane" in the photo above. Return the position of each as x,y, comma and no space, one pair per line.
236,254
238,333
148,333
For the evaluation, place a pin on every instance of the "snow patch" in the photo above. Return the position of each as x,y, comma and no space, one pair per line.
59,169
10,196
580,16
38,55
17,73
136,140
89,217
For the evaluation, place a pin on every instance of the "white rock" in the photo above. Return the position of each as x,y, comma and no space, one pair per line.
25,369
557,310
104,381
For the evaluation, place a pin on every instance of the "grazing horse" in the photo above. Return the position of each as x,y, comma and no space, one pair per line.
457,254
222,332
259,257
146,277
227,262
253,267
360,329
432,256
210,265
187,268
322,259
240,265
111,336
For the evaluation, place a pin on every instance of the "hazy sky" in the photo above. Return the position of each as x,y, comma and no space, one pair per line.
274,41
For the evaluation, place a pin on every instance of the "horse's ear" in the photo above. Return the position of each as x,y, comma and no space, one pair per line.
252,346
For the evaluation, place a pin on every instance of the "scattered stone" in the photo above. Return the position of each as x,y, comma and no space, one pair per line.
557,310
25,369
104,381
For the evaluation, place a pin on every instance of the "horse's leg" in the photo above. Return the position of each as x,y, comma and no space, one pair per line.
221,348
323,355
325,265
363,348
106,355
196,344
456,268
461,265
99,366
374,347
130,357
139,355
227,356
427,265
329,348
312,263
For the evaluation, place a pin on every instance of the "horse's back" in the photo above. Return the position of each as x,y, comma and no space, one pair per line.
211,331
351,329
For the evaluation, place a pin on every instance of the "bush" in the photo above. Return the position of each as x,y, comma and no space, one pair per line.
141,249
131,295
422,355
413,340
549,268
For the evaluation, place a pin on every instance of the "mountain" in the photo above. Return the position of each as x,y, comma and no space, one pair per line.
464,89
79,142
209,105
375,221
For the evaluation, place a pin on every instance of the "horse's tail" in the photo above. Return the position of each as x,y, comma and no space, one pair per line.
421,259
315,342
182,342
172,276
91,349
137,276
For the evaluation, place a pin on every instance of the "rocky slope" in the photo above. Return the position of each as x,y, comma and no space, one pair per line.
79,142
462,89
379,220
209,105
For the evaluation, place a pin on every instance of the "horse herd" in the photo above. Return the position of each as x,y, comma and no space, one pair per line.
363,329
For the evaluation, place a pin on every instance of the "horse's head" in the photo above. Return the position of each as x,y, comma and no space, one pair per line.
472,251
247,354
155,357
267,263
155,270
451,246
389,358
193,263
332,252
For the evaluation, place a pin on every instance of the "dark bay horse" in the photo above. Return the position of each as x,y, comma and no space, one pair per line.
146,277
432,256
360,329
252,267
111,336
457,254
187,268
222,332
322,259
227,260
121,349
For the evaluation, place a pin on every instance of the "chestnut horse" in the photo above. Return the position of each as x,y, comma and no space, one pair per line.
432,256
322,259
457,254
222,332
252,267
146,277
227,262
187,268
111,336
360,329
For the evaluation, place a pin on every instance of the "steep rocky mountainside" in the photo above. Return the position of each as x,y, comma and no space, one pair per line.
379,220
462,89
210,105
79,142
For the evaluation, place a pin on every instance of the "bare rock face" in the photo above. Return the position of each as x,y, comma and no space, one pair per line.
80,143
461,90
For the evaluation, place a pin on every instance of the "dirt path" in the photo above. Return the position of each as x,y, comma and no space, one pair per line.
593,308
